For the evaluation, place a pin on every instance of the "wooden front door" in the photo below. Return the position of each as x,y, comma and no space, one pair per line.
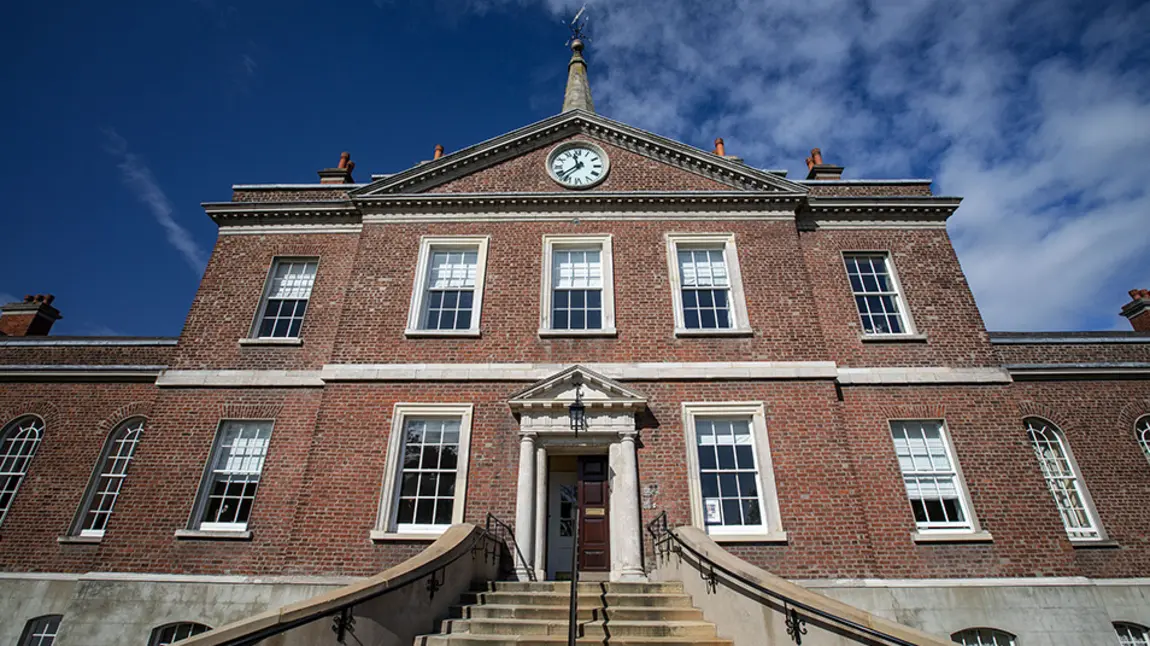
594,537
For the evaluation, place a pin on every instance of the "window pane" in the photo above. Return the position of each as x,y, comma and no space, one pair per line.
175,632
1142,431
109,478
41,631
876,295
235,473
983,637
929,475
427,489
20,440
1061,478
1132,634
286,302
450,289
728,474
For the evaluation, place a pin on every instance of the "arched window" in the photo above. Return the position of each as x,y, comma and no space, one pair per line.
41,631
109,477
18,444
1132,634
1142,431
983,637
1063,479
172,633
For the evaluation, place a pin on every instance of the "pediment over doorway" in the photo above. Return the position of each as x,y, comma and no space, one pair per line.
558,391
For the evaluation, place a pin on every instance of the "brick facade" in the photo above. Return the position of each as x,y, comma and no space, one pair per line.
841,496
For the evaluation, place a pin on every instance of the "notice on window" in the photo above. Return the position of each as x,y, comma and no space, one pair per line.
711,510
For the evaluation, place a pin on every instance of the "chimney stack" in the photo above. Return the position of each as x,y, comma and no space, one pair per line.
816,169
32,317
341,174
1138,310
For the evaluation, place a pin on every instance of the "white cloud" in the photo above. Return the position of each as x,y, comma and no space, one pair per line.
138,177
1036,111
6,298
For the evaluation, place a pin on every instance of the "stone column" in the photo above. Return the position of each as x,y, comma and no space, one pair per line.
525,508
627,520
540,513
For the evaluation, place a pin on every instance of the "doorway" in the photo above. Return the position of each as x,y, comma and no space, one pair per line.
578,483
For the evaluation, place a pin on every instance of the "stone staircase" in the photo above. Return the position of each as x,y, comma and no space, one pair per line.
507,613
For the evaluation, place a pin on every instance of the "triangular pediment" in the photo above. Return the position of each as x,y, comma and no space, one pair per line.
559,389
516,163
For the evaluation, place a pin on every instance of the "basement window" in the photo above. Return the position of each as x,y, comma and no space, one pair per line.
983,637
170,633
233,475
1132,634
285,299
41,631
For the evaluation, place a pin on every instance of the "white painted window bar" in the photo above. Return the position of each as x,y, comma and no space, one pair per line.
877,295
235,474
1062,479
928,470
450,298
1132,634
170,633
289,290
41,631
20,440
983,637
728,473
427,483
1142,431
110,478
706,288
577,289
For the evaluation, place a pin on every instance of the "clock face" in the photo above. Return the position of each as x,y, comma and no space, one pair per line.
578,165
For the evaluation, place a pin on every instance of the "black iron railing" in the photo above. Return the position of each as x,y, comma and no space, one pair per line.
573,604
665,542
495,526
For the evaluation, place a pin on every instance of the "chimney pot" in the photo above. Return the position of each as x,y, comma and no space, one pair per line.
817,156
819,170
32,317
438,151
1138,310
344,158
720,147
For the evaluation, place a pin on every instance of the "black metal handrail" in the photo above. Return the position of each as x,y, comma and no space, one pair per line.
573,609
493,519
664,542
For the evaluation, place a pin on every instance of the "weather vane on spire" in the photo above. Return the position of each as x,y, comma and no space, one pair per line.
578,26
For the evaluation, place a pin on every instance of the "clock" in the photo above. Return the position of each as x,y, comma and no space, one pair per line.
578,164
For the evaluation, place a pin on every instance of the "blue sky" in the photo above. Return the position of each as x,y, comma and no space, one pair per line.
121,119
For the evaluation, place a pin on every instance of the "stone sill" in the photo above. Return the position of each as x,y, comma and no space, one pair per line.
952,537
608,332
1087,544
741,331
203,535
770,537
892,338
416,334
79,540
379,535
272,342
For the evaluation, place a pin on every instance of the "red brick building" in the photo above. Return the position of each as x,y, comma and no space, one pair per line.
797,367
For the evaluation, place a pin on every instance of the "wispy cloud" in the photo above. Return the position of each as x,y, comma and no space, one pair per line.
138,177
1036,111
6,298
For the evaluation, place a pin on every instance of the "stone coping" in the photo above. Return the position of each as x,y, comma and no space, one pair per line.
698,541
450,544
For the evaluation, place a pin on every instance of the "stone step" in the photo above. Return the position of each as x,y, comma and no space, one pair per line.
467,639
586,599
560,613
597,629
621,587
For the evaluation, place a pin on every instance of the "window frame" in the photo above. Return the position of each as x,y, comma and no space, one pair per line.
972,527
1130,627
740,319
772,529
547,291
6,432
154,637
428,244
98,473
196,522
257,321
1080,484
1142,434
386,527
996,636
31,626
910,330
